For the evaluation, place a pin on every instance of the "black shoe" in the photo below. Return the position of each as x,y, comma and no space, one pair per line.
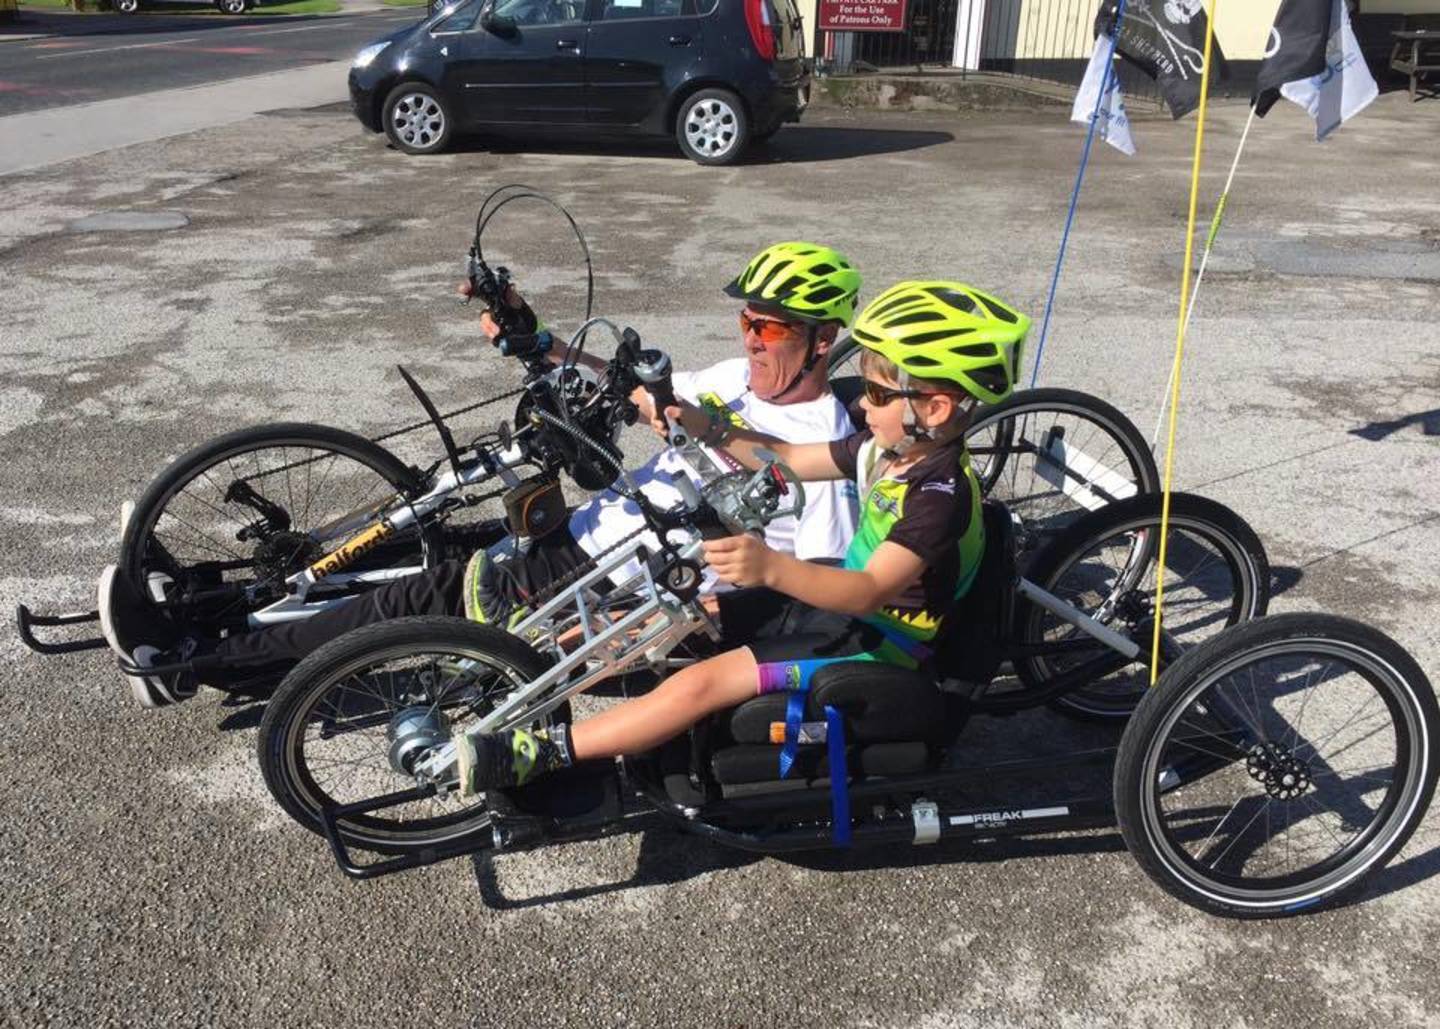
144,638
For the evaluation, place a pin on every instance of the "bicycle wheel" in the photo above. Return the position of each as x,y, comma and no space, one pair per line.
350,720
1052,455
224,525
1106,565
1276,767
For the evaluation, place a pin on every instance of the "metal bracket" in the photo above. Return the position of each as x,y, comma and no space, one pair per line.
926,816
25,619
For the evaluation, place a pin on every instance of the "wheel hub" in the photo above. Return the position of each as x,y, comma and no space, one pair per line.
1276,768
413,733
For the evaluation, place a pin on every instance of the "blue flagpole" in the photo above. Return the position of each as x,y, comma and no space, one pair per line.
1075,195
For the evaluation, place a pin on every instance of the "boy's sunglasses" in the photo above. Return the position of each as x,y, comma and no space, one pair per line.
879,395
770,330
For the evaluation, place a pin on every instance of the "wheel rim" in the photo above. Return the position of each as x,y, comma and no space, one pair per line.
1338,775
711,127
418,120
1209,586
336,750
128,6
192,537
234,6
1052,464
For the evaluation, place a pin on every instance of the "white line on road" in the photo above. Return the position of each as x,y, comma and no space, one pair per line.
108,49
280,32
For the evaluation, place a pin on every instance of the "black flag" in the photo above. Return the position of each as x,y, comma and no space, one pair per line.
1166,40
1296,49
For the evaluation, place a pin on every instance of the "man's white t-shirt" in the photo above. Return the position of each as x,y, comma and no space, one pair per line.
827,521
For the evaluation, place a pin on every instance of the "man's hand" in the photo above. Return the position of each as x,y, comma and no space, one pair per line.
741,560
488,325
695,421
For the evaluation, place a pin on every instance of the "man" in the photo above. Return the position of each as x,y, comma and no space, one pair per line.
797,298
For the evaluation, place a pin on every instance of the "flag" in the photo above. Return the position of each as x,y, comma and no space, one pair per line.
1112,123
1314,60
1166,40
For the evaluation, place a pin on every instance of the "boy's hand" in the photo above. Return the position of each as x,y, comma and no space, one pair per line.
741,560
695,421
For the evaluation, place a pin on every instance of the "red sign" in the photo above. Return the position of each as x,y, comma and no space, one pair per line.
862,16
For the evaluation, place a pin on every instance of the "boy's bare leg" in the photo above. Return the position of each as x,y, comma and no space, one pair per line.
668,710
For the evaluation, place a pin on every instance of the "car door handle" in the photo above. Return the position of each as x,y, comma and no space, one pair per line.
568,44
679,40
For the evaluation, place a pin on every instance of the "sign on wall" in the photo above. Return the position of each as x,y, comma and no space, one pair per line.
861,16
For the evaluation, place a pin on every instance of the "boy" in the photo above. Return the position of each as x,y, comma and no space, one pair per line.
934,350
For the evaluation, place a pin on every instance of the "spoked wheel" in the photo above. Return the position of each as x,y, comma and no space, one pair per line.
1106,565
1278,765
1051,455
352,720
219,531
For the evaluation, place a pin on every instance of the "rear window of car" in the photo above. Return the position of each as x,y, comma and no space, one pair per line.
789,33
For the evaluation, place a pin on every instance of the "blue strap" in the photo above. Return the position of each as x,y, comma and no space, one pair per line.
839,778
794,715
1075,195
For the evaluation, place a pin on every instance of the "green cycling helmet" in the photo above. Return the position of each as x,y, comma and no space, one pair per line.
809,282
947,330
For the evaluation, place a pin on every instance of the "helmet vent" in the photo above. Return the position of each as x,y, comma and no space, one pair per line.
1001,313
920,362
995,380
822,269
790,285
957,300
914,319
976,350
824,293
932,337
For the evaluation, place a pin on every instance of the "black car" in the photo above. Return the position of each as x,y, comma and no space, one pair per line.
714,73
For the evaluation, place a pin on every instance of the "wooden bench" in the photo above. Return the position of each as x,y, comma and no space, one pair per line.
1417,48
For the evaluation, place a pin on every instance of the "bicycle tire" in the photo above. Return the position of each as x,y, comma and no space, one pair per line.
142,548
1188,743
1125,605
286,764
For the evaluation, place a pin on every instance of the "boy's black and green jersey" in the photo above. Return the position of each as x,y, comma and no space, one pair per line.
931,508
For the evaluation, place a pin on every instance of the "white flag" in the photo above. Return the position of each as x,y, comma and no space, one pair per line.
1344,88
1114,126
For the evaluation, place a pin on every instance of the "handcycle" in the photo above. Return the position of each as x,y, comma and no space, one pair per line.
276,522
1276,765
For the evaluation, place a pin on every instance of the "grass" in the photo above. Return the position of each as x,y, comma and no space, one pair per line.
293,7
404,3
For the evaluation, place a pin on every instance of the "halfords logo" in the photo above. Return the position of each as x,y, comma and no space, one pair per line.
360,545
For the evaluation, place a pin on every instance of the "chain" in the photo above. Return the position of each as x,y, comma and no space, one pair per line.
569,579
450,414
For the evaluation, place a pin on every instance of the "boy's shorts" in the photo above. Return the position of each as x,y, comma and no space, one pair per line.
792,640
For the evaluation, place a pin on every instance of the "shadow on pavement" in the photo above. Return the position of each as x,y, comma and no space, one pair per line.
1429,422
800,144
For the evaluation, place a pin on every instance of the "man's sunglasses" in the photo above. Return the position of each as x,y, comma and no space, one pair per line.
770,330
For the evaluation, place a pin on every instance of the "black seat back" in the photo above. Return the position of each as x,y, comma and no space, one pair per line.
973,636
847,390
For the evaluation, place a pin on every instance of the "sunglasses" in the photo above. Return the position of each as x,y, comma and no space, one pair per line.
879,395
770,330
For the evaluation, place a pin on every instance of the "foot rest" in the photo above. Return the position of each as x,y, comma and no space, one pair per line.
750,763
26,620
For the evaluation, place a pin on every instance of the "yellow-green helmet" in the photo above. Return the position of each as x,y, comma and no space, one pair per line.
947,330
807,281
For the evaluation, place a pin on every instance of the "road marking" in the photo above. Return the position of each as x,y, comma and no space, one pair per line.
280,32
108,49
68,44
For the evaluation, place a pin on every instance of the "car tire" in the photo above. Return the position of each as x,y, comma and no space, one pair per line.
125,6
712,127
234,7
417,118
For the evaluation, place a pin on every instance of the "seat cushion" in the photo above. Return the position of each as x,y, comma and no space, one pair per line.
880,703
746,763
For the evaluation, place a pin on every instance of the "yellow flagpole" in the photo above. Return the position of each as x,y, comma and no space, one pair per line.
1182,323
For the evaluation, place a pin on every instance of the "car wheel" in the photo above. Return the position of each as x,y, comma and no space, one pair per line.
231,6
125,6
417,119
712,127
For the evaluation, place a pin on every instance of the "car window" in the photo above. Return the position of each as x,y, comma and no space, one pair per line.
708,6
462,18
614,10
542,12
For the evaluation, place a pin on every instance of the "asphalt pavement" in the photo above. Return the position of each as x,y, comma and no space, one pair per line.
127,56
148,877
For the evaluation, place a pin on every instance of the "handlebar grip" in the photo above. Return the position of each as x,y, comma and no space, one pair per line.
652,367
